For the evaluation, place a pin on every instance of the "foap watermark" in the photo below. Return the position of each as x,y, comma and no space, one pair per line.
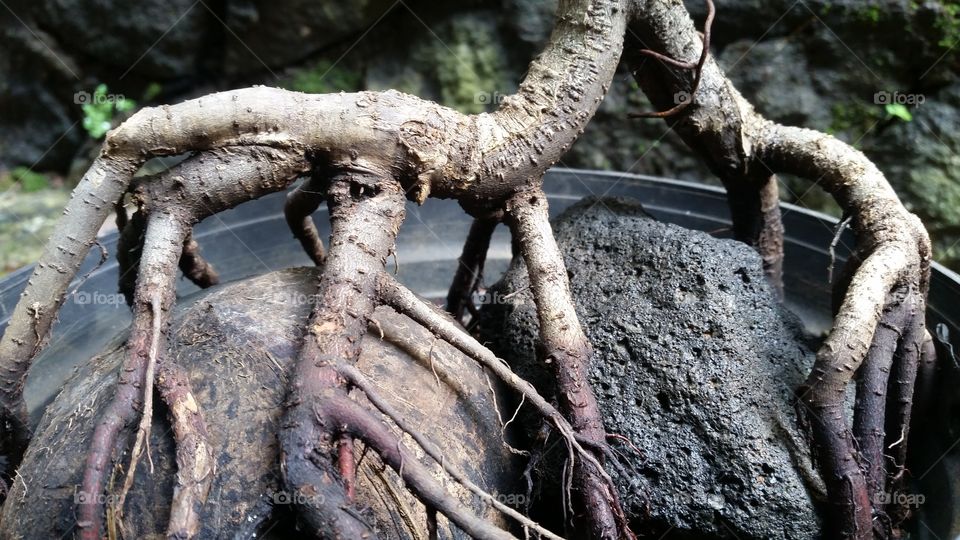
102,499
492,298
295,497
513,500
295,299
899,498
897,98
488,98
682,98
97,98
96,298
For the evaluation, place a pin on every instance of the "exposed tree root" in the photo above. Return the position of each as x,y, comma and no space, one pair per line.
565,346
469,272
593,474
194,267
357,379
373,149
302,202
744,149
196,463
155,288
358,201
344,414
871,402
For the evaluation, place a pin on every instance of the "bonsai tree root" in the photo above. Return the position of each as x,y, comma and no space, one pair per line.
237,344
889,272
365,153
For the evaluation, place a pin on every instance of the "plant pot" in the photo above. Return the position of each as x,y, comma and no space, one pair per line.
253,239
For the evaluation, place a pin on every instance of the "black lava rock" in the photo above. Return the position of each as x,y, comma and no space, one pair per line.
695,362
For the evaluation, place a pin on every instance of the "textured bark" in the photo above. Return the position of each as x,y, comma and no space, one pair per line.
154,295
744,149
432,150
566,348
318,401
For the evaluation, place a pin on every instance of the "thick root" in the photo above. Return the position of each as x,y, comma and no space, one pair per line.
153,299
566,348
366,212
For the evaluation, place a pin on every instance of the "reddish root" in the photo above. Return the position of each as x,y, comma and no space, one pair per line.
900,402
155,288
366,386
871,400
341,411
365,212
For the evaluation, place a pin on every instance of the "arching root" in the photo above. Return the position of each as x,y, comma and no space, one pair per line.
167,222
886,277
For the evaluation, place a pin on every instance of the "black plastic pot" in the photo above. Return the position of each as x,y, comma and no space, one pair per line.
253,239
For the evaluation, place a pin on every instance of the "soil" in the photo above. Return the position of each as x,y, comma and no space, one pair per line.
695,364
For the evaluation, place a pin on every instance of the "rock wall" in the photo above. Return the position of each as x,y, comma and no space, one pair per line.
836,66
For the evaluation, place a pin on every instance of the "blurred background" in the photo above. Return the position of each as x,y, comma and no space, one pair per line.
880,75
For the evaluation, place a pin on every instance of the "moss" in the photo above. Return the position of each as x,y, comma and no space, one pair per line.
949,24
101,108
469,66
870,14
323,78
29,180
853,117
934,195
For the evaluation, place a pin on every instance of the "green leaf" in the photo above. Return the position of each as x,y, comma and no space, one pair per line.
124,105
896,110
153,90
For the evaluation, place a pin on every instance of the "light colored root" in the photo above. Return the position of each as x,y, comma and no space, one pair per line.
196,464
93,200
359,380
404,301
